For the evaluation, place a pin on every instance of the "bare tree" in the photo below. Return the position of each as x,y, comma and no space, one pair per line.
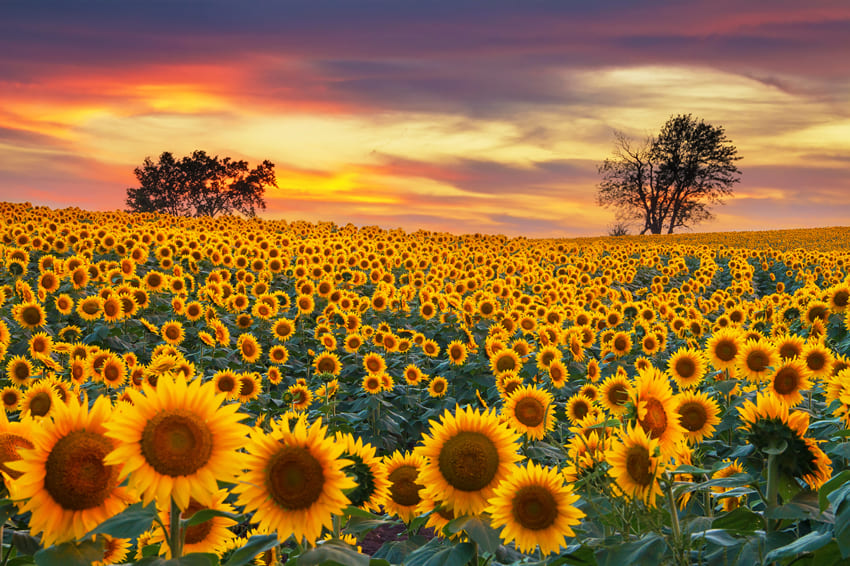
669,181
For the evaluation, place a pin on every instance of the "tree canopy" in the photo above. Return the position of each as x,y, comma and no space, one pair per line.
669,181
200,185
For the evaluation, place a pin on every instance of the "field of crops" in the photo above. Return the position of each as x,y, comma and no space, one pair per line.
199,391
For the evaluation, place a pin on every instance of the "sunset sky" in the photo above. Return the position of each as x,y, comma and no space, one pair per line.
465,116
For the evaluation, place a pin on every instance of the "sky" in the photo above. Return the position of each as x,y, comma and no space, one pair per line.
462,116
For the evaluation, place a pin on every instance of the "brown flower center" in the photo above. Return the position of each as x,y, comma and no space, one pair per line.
469,461
176,442
534,508
786,381
404,489
75,475
692,416
654,421
295,478
638,465
529,411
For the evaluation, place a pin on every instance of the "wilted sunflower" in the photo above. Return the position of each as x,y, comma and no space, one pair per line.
636,465
530,411
467,454
724,348
536,508
768,423
65,480
687,367
177,441
790,377
698,415
656,409
368,472
295,480
405,489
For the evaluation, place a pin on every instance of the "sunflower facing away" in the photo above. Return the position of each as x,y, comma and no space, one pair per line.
295,480
536,508
531,411
65,479
467,454
177,440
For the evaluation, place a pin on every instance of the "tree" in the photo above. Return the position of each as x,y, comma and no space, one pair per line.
200,185
670,180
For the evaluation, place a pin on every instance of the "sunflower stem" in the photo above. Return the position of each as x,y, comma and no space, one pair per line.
176,534
772,487
674,514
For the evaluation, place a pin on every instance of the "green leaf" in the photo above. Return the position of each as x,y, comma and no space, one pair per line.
478,531
198,559
834,483
395,551
25,543
7,509
647,550
457,555
130,523
718,537
20,561
332,552
740,520
807,543
204,515
71,554
255,545
687,469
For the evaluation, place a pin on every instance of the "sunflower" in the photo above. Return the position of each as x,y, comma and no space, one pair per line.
172,332
614,393
413,375
11,397
593,371
248,347
112,309
39,400
40,344
578,406
621,344
505,361
177,440
368,472
687,367
208,536
724,348
546,355
19,370
530,411
791,377
113,371
768,423
467,454
14,436
584,453
536,508
405,489
733,468
250,386
283,329
115,550
818,359
295,480
438,387
372,383
636,465
430,348
29,314
374,363
698,414
301,397
790,346
757,360
66,481
327,363
656,409
90,308
457,352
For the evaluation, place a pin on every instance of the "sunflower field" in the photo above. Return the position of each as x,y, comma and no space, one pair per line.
182,391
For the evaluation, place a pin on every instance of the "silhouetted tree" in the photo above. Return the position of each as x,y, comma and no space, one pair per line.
670,180
200,185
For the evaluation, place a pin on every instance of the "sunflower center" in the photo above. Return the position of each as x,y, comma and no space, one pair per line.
9,445
246,387
789,351
111,373
326,365
534,507
11,398
692,416
815,361
31,315
469,461
21,371
726,350
404,489
580,409
196,533
226,384
841,298
295,478
248,349
786,381
620,343
75,475
505,363
172,333
638,464
654,421
529,411
176,442
373,365
757,361
685,367
618,394
40,404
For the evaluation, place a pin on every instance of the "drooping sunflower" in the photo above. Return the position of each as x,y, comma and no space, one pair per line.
248,347
467,454
724,348
768,423
438,387
65,479
757,360
687,367
177,440
614,393
790,377
530,411
536,508
405,489
656,409
208,536
295,481
636,465
367,470
698,415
